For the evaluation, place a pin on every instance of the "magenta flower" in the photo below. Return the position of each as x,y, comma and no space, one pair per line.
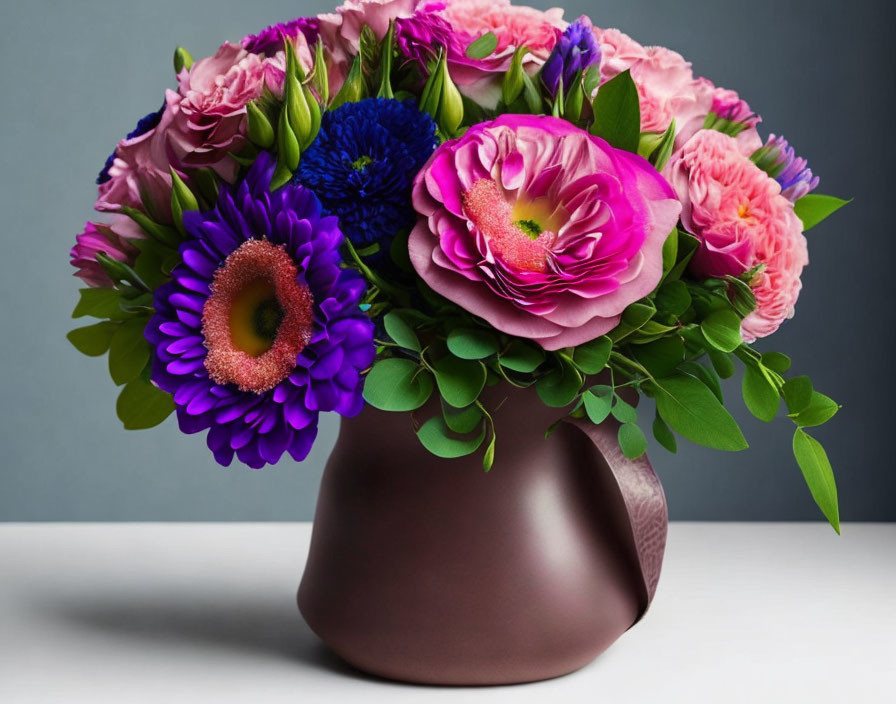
113,239
540,228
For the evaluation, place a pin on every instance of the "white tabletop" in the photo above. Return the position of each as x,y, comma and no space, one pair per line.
759,613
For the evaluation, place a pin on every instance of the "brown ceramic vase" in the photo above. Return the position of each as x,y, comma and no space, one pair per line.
432,571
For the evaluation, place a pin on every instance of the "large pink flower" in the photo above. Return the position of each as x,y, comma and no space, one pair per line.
744,221
208,111
543,230
112,238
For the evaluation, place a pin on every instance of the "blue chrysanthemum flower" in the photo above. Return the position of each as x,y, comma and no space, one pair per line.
144,125
260,327
363,163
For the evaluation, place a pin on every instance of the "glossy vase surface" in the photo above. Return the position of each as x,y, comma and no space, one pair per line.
430,570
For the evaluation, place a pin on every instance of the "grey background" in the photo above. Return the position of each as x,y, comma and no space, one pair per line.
76,77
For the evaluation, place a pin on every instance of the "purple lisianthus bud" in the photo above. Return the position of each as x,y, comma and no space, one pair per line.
780,161
575,51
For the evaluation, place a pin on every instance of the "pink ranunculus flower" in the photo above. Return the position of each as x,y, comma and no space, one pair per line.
743,221
543,230
113,238
666,85
208,111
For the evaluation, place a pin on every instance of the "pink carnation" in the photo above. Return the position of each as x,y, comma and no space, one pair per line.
139,176
666,84
208,111
113,239
543,230
743,221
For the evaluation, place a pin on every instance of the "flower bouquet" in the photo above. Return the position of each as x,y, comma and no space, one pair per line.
441,210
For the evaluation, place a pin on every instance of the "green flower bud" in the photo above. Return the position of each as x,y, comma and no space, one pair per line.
182,60
261,132
287,142
354,88
451,105
321,80
572,109
163,233
432,91
314,112
513,82
385,90
182,200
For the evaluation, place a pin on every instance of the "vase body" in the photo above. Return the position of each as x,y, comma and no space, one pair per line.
433,571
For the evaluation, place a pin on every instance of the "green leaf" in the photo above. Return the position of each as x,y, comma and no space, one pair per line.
661,357
693,411
483,46
471,343
722,363
141,405
706,375
663,435
812,208
99,303
741,295
396,384
673,297
670,251
128,351
664,150
560,387
760,394
597,406
592,357
461,420
819,475
776,361
435,437
818,411
93,340
687,246
399,330
521,357
631,440
488,457
624,412
617,114
151,260
460,381
182,60
797,393
721,328
634,317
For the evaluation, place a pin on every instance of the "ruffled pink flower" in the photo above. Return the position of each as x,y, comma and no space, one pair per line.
543,230
743,221
666,85
139,176
208,111
113,239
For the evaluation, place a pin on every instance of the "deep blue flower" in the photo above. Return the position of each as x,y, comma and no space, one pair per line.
576,51
363,163
245,257
144,125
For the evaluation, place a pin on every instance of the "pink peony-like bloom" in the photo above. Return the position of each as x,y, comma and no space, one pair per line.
543,230
666,85
743,221
208,112
139,175
113,238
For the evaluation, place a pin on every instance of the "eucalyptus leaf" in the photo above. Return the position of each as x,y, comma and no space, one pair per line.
472,343
623,411
797,393
818,411
460,381
141,405
520,356
812,208
617,113
597,407
631,440
93,340
461,420
128,351
436,437
560,387
721,328
592,357
396,384
488,457
663,435
693,411
819,476
760,394
400,331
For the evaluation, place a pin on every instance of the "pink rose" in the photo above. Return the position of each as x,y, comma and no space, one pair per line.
113,239
139,176
208,111
543,230
743,221
666,85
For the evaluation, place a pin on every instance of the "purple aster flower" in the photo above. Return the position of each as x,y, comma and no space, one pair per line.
260,328
779,160
576,50
270,40
420,36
